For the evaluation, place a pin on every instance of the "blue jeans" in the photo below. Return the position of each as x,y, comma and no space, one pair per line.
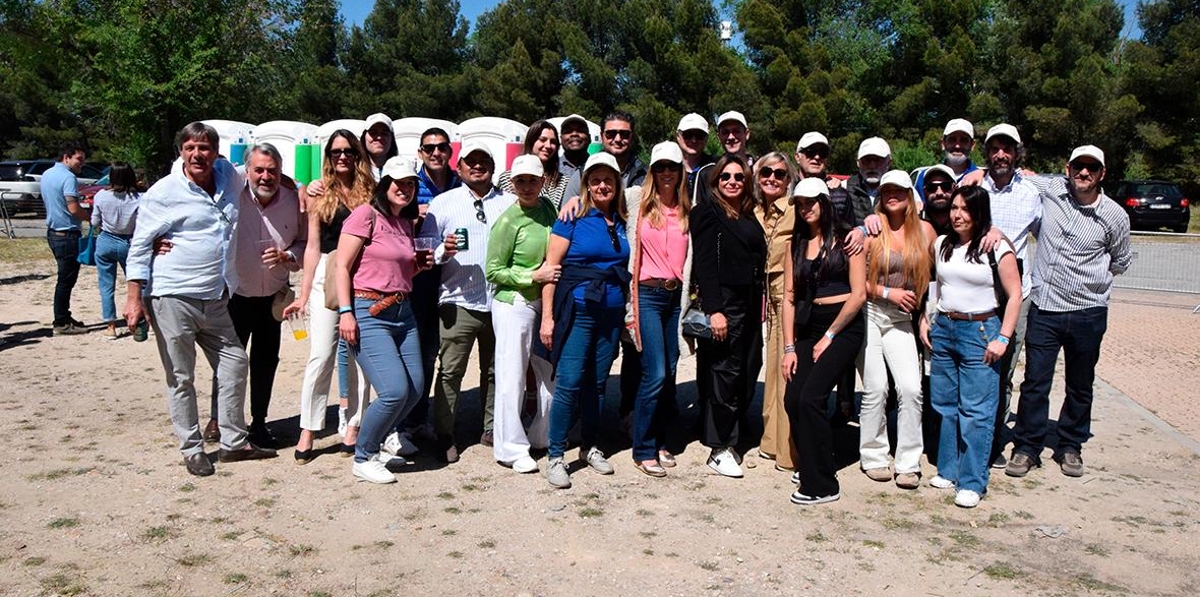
65,246
1078,334
582,373
658,324
111,251
964,391
389,353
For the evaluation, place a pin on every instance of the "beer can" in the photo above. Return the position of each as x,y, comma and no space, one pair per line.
462,240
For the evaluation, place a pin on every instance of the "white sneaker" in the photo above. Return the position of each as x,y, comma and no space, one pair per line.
374,471
390,459
941,482
524,465
724,462
595,459
965,498
556,474
399,444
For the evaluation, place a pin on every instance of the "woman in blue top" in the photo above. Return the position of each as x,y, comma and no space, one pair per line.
583,311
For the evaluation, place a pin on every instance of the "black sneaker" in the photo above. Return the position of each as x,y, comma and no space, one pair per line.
808,500
261,436
1000,461
69,329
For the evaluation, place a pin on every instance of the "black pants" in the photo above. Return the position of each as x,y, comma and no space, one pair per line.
424,299
807,395
65,246
252,318
727,371
631,377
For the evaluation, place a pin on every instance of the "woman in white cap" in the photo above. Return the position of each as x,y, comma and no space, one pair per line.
823,331
376,261
584,310
516,255
379,141
898,271
661,264
542,141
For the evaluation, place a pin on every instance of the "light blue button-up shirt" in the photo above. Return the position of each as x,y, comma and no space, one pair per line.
201,229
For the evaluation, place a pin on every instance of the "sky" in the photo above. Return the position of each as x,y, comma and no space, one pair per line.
355,11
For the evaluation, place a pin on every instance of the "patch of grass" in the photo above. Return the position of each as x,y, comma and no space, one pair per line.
708,565
1023,515
63,523
156,533
937,519
218,520
644,512
187,488
231,536
449,532
1096,549
873,543
452,510
63,584
1002,571
1091,583
319,594
445,495
647,534
590,512
712,500
60,473
285,573
470,487
455,554
264,502
413,514
194,560
34,561
20,250
898,524
648,552
998,518
267,481
965,539
486,544
300,549
385,544
817,537
235,578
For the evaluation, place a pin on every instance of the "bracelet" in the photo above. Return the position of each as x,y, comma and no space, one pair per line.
1002,339
345,309
862,229
789,349
829,334
886,292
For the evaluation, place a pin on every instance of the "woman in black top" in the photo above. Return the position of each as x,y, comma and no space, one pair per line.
731,245
823,330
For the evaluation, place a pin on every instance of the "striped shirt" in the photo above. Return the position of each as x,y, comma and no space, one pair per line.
1080,249
1016,211
463,280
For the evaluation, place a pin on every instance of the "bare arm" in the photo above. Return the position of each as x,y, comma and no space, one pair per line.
349,246
1010,278
555,253
789,316
312,254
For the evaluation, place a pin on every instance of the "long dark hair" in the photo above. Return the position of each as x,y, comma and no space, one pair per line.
379,201
122,178
745,206
831,258
979,206
535,132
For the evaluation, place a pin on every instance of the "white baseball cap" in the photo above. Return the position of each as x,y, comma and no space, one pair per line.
874,146
667,151
959,125
732,115
693,122
399,168
375,119
811,138
527,164
942,168
598,159
473,146
810,187
897,178
1090,151
1003,129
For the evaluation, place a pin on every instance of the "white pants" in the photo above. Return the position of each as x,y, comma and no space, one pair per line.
516,328
322,362
892,346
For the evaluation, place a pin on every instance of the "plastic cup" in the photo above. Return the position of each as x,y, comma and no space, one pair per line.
425,247
295,322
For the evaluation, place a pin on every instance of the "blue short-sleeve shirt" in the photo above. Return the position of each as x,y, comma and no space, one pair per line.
58,183
592,245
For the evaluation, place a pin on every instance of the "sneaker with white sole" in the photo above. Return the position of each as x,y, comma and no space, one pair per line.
796,478
374,471
965,498
940,482
595,459
524,465
399,444
390,459
557,475
723,461
808,500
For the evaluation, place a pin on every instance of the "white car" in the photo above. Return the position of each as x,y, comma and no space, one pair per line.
20,184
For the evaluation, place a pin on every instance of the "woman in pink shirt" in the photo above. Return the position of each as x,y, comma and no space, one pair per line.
661,262
376,260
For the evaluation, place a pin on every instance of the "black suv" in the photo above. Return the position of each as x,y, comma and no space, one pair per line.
1153,204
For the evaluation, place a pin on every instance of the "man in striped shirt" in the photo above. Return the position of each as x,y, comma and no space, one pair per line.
1083,241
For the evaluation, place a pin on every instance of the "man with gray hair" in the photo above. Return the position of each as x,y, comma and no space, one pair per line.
194,209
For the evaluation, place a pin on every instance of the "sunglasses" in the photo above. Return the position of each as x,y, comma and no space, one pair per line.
479,215
778,173
613,134
660,167
612,236
1089,166
814,154
337,153
694,135
737,176
443,147
945,186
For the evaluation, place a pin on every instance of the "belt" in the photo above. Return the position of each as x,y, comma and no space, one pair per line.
671,284
955,315
383,300
65,233
120,236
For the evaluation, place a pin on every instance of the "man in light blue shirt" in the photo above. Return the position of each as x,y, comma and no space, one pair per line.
195,209
63,214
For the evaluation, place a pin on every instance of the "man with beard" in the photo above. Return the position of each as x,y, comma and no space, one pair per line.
939,184
1083,241
575,139
874,158
958,140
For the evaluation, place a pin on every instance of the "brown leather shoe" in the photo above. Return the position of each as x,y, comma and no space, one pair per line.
212,431
250,452
487,439
199,465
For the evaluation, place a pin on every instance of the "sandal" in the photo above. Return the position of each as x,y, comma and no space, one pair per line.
666,459
654,469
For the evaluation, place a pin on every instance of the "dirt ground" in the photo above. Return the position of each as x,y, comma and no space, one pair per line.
94,499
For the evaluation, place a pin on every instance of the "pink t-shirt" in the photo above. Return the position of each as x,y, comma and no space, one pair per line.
664,250
385,265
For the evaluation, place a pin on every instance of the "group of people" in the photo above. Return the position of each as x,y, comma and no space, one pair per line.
924,287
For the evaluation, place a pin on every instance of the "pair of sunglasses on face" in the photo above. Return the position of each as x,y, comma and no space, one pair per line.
443,147
337,153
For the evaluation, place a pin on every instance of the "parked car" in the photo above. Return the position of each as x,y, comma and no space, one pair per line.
1153,204
20,184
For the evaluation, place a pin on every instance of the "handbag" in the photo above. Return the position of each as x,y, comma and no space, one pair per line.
87,247
695,324
280,300
331,298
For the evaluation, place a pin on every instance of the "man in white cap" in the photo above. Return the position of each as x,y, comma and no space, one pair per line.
575,137
617,137
958,141
874,159
692,137
379,141
462,218
812,161
733,132
1083,241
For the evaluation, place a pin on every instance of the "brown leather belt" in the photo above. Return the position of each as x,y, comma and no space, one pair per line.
671,284
955,315
383,300
66,233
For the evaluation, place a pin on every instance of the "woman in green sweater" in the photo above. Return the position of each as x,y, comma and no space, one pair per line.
515,255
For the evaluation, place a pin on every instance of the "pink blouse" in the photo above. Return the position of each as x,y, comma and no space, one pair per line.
664,250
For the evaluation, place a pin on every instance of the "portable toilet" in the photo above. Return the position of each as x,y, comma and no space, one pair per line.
408,135
593,134
234,138
506,138
295,141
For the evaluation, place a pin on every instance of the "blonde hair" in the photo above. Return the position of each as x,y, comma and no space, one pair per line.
357,193
761,163
585,196
914,254
651,208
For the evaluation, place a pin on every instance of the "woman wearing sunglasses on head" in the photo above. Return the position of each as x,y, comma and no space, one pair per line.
732,251
542,141
347,184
